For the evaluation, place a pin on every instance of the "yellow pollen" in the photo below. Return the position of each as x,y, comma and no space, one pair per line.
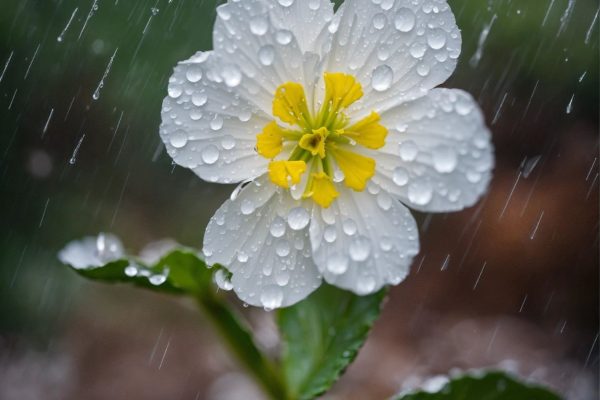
318,143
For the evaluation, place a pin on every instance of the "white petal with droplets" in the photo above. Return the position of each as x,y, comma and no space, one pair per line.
362,243
269,256
207,126
438,154
260,41
397,50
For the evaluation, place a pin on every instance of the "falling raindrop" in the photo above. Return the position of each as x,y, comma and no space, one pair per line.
96,94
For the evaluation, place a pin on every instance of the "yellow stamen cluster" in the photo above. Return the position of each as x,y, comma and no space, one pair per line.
320,138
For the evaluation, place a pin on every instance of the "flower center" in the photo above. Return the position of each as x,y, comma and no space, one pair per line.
306,152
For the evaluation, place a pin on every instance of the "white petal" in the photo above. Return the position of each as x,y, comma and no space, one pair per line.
207,126
307,20
257,41
397,50
269,257
438,154
92,251
363,241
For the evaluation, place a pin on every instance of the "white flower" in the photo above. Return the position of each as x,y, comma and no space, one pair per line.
335,122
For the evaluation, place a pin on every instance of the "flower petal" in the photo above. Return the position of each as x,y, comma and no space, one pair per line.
271,262
438,155
207,127
398,51
257,50
307,20
363,241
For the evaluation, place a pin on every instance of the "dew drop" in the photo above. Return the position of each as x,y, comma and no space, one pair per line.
417,50
420,193
193,74
271,297
282,248
210,154
174,91
349,227
444,159
266,55
231,75
382,79
223,281
259,25
178,139
337,264
199,99
298,218
131,271
283,37
158,280
360,248
400,176
436,39
405,20
247,207
384,201
366,285
408,151
277,228
330,234
379,21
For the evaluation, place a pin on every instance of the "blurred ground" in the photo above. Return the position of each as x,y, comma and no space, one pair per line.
512,282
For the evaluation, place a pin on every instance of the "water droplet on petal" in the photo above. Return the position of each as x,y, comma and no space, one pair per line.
223,280
210,154
408,150
178,139
271,297
194,73
404,20
337,264
349,227
360,248
436,39
266,55
400,176
259,25
445,159
383,77
298,218
420,193
277,228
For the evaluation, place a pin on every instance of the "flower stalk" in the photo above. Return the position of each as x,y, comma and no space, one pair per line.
241,344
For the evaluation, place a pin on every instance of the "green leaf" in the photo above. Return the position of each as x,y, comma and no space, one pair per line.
321,337
178,272
182,272
492,385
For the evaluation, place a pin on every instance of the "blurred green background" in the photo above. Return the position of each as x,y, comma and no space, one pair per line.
521,287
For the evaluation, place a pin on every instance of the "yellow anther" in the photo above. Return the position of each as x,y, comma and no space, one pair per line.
286,173
357,169
289,104
315,142
341,90
322,190
367,132
270,141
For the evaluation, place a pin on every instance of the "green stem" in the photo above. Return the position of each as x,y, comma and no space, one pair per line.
241,344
